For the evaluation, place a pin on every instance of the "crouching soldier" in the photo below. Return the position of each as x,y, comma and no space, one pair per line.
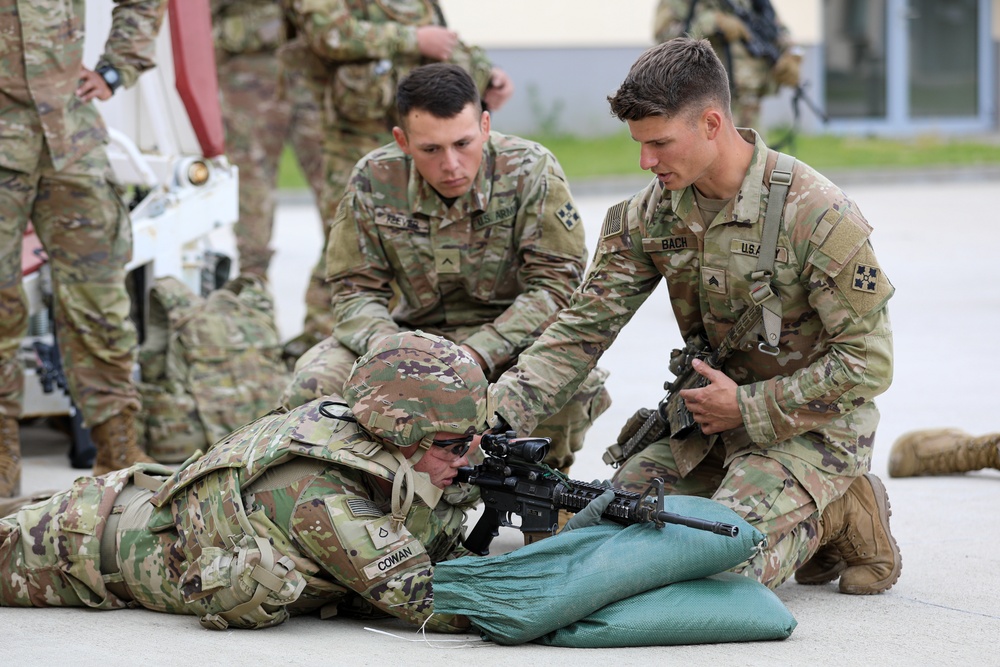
325,507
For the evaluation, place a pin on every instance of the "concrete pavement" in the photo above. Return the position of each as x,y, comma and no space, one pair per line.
936,239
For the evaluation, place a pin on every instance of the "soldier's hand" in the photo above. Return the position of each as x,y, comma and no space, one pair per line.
733,29
436,42
787,70
92,85
715,406
591,514
499,91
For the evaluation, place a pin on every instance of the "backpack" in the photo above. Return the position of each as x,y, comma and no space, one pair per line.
208,365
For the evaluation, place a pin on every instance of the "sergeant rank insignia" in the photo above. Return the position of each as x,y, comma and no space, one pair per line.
865,278
568,215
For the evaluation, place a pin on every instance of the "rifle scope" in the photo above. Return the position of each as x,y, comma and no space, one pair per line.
505,445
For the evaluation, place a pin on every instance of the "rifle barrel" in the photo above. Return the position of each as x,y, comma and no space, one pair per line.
717,527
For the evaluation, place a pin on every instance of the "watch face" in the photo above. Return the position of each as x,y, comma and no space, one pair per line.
111,76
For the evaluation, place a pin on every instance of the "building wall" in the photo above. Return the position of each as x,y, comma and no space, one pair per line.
566,56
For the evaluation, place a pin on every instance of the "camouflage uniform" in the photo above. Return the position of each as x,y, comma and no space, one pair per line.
750,78
54,171
489,272
364,48
263,108
808,416
286,516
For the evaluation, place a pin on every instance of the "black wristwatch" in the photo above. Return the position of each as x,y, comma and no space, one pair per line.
110,76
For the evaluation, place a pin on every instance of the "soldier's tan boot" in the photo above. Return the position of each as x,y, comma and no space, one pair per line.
856,526
10,458
942,451
117,443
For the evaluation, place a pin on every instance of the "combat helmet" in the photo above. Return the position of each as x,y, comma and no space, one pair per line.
411,385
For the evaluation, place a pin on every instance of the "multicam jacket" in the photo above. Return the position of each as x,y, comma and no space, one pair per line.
494,266
367,47
809,405
306,482
41,52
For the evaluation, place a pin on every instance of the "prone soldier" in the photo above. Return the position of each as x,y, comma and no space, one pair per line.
323,508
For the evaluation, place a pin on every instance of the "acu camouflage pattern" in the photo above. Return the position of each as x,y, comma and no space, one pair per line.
809,408
364,48
299,488
264,106
490,271
750,78
410,386
53,170
208,365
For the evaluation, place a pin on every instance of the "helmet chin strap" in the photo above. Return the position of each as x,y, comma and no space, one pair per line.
402,488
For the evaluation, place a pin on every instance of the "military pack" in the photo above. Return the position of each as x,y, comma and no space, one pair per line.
209,365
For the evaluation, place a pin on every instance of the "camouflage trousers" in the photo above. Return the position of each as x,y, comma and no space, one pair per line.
345,144
86,232
262,112
324,369
756,487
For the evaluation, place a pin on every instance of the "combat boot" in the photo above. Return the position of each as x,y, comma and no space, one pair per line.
117,443
10,458
825,566
942,452
856,525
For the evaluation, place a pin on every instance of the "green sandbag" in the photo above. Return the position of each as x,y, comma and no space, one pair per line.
725,607
519,596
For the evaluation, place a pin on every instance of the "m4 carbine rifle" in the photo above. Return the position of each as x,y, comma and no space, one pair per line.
672,416
512,480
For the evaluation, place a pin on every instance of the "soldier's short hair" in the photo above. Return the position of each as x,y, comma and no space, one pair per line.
678,76
442,89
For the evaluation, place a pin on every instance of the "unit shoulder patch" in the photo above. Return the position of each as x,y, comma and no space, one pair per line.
864,284
568,215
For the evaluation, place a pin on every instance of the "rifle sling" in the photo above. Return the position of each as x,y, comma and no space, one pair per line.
760,290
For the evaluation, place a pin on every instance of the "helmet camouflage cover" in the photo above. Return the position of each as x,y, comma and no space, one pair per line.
411,385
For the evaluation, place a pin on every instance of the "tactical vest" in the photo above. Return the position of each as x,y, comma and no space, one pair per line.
208,365
239,561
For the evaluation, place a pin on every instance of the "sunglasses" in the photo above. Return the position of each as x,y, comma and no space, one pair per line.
457,446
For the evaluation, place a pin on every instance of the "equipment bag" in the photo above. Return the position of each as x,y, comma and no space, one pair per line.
209,365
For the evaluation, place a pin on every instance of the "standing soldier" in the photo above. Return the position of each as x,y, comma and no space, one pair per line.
785,277
477,233
751,77
364,49
55,173
322,509
263,108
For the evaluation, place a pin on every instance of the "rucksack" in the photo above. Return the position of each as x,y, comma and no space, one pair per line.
208,365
